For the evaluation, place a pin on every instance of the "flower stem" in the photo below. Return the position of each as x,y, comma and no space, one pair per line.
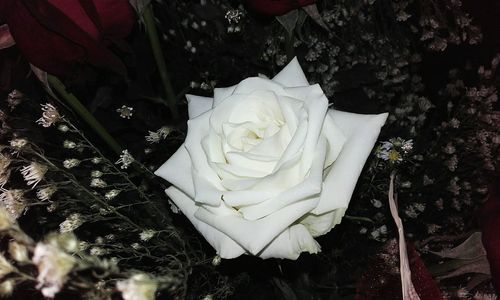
82,111
160,59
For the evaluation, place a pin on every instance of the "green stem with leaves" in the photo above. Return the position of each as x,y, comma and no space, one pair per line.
160,59
83,112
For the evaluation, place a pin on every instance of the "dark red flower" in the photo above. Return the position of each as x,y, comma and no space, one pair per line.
382,279
277,7
490,223
59,35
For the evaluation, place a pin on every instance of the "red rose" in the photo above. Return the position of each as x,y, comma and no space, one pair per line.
490,223
58,35
277,7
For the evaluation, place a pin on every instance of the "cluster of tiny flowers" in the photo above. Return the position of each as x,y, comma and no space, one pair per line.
50,115
126,112
394,150
33,173
125,160
157,136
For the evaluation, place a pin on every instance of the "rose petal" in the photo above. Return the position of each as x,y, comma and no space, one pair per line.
335,139
361,132
252,84
220,94
198,105
291,75
310,187
290,243
255,235
177,171
207,184
321,224
224,245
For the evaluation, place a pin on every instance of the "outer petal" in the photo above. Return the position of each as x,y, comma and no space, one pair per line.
291,75
290,243
177,171
224,245
321,224
361,132
198,105
207,184
255,235
222,93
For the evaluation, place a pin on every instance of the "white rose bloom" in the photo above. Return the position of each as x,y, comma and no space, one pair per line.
266,166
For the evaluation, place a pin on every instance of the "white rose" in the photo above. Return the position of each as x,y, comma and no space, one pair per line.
266,166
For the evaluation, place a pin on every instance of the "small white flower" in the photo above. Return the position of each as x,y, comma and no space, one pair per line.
153,137
407,146
71,223
83,245
96,160
33,173
98,251
125,159
376,203
14,98
174,207
69,144
112,194
126,112
96,174
18,144
136,246
98,183
164,131
138,287
233,16
46,193
50,115
216,260
147,234
53,266
71,163
160,134
63,128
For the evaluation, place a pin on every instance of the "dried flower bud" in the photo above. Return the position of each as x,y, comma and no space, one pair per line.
216,260
147,234
33,173
18,252
71,163
50,115
6,288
